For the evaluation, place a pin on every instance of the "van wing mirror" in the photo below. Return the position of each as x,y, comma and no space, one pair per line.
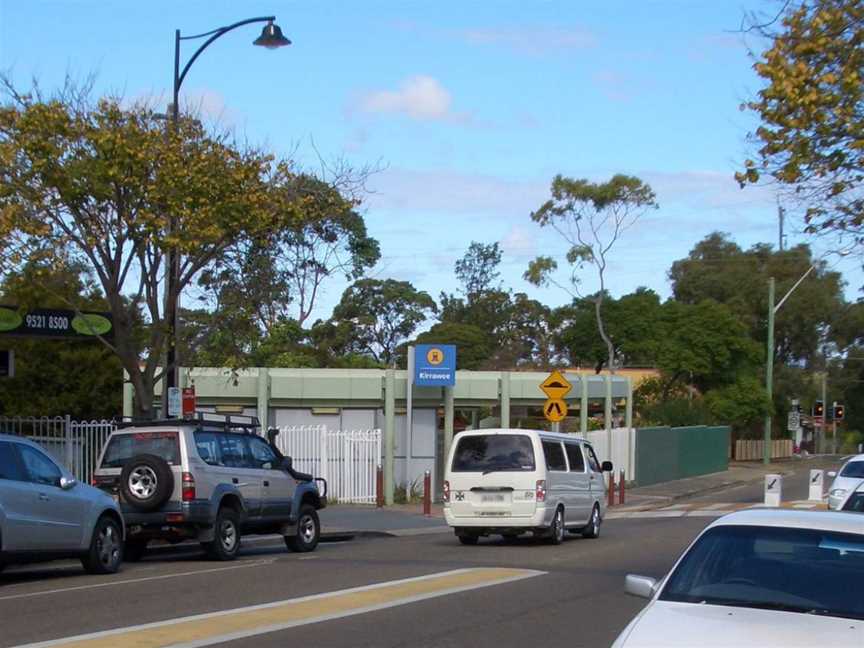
606,466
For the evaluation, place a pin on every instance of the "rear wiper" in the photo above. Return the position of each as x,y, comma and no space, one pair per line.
495,469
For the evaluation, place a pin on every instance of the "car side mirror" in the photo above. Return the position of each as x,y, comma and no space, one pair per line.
606,466
641,586
67,483
287,464
832,473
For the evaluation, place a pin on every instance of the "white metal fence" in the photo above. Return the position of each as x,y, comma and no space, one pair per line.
347,459
75,444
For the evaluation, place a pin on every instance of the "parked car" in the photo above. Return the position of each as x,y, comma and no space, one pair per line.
46,514
845,479
208,480
759,578
509,482
854,501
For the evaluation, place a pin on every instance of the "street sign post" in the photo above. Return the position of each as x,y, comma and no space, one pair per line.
7,364
555,410
556,387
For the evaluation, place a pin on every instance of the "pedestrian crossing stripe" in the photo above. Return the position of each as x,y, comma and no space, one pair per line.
702,509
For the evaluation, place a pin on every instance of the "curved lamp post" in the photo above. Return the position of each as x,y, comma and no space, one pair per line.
271,37
769,358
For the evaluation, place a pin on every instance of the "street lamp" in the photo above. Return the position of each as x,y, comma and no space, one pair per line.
271,37
769,360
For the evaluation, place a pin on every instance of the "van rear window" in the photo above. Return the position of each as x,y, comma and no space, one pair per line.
122,447
494,452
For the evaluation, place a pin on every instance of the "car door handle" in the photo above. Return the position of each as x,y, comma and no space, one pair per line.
266,483
43,497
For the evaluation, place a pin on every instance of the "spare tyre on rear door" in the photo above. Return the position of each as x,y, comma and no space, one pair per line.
146,482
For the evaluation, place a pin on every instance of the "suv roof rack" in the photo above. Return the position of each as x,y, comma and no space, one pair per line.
238,423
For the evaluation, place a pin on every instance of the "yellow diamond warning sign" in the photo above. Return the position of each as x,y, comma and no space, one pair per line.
555,410
555,386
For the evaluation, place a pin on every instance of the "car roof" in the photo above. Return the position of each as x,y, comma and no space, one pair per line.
859,457
544,433
788,518
19,439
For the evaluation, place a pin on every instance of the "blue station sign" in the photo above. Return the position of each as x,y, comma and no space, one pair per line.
435,365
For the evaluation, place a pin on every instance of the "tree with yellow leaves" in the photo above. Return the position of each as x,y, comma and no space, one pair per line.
811,139
98,181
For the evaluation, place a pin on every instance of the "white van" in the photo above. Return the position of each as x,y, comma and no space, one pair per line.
509,482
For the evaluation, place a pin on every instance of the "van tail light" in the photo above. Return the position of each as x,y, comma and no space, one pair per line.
540,492
188,487
446,491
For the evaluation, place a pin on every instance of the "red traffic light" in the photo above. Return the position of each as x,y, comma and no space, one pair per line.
839,412
818,409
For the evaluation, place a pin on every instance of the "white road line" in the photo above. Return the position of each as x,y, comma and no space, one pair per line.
129,581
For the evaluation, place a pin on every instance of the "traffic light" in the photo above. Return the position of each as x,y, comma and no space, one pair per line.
818,409
839,411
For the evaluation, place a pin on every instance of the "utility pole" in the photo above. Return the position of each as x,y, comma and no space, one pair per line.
769,374
781,217
824,403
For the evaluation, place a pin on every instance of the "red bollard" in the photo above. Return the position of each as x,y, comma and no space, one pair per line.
427,494
621,489
611,488
379,487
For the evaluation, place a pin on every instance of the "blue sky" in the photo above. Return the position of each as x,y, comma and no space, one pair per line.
471,108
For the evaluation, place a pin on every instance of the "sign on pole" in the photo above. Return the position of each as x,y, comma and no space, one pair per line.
556,386
189,402
793,421
174,403
435,365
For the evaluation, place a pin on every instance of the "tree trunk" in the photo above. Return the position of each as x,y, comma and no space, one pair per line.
610,348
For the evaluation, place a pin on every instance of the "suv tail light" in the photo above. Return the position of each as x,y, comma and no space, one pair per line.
446,491
188,487
540,492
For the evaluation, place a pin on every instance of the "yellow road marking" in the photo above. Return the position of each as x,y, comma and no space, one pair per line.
217,627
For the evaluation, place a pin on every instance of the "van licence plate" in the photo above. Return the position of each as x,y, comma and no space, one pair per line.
492,498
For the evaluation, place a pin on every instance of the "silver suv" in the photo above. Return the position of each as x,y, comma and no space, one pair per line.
45,513
207,480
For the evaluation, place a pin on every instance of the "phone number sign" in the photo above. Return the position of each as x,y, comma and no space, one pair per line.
56,323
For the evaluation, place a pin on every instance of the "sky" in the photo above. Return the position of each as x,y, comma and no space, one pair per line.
467,108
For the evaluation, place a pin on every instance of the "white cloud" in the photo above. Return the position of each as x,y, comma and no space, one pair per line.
420,97
519,242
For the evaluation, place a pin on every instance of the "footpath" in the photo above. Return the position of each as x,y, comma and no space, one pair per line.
669,499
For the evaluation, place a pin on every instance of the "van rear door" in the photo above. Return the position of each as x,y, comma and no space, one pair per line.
493,475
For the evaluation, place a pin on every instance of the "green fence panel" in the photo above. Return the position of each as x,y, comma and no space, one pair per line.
664,454
656,455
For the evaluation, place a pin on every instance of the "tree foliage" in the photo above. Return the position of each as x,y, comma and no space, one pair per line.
811,137
591,218
375,316
720,270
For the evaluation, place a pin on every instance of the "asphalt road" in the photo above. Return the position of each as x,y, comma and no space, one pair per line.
576,600
495,594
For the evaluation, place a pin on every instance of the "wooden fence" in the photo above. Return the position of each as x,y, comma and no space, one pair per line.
751,449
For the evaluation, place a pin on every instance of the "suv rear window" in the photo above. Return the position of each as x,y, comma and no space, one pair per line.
511,452
122,447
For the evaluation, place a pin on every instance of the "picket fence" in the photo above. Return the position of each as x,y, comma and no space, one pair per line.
347,459
753,449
